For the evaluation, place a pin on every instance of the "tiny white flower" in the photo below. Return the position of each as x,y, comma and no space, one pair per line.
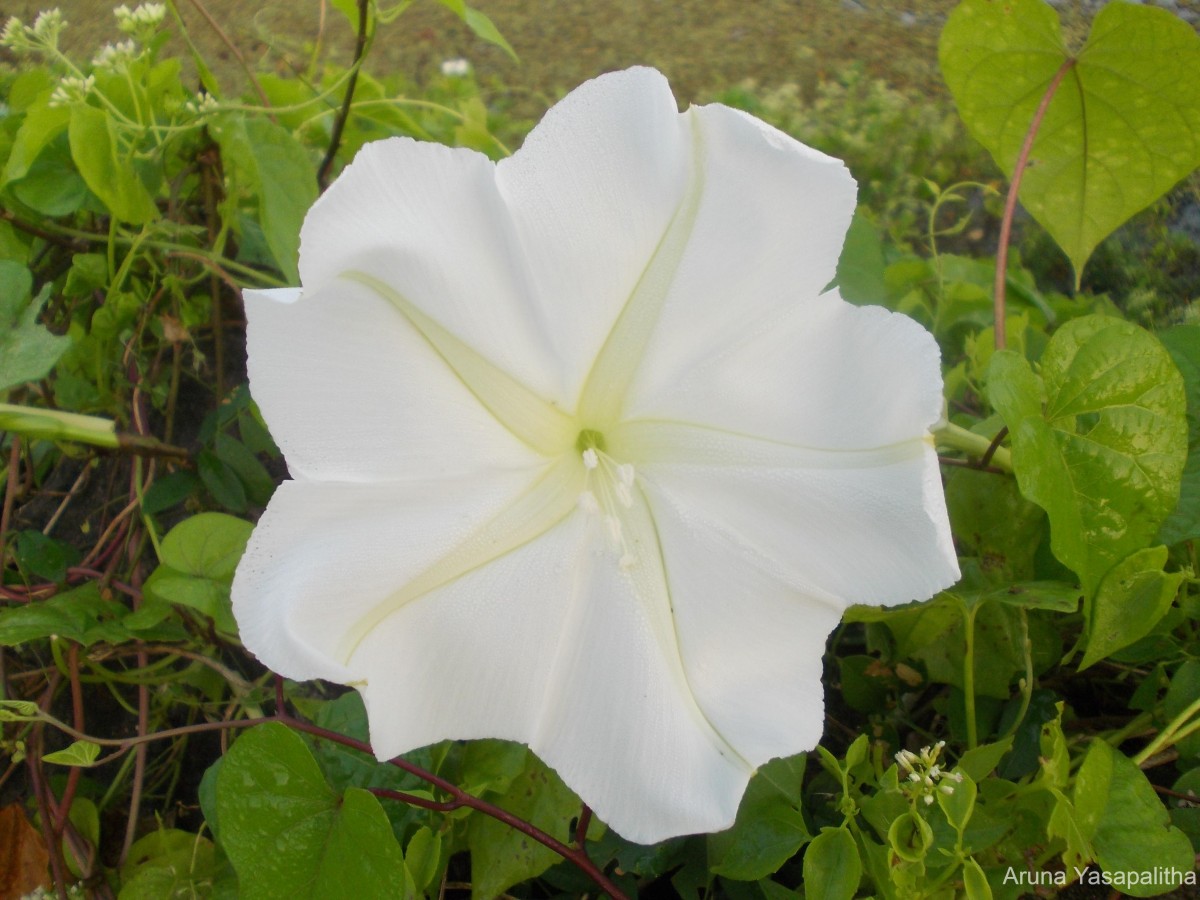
15,36
115,57
48,26
583,457
142,21
72,89
456,68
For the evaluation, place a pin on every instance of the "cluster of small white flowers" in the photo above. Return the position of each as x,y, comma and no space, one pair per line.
42,35
456,68
206,105
116,57
142,19
925,775
72,89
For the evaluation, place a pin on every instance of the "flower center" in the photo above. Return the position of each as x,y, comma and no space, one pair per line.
607,490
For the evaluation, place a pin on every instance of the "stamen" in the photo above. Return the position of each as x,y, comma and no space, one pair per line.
614,528
609,492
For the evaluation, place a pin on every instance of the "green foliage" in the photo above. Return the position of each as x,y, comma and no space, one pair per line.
288,835
136,208
1121,131
1099,440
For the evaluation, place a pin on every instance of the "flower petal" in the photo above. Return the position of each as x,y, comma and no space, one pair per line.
875,535
766,236
354,392
326,555
820,374
429,222
591,193
554,645
751,643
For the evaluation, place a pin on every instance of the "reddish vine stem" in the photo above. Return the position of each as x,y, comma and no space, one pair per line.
10,483
1010,202
77,719
581,827
459,799
993,447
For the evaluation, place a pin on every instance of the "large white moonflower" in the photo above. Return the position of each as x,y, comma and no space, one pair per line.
582,456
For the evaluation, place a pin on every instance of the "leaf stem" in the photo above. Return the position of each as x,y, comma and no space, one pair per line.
986,450
1010,202
1173,733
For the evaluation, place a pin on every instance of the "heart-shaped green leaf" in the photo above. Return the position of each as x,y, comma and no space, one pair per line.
1099,441
1121,130
289,836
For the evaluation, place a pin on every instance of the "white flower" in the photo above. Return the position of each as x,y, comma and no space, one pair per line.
143,20
582,456
456,68
15,35
72,89
115,57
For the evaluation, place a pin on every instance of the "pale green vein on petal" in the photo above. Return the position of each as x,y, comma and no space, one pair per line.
531,418
652,586
649,441
545,503
617,362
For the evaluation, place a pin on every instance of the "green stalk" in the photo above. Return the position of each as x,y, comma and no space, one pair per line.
55,425
958,438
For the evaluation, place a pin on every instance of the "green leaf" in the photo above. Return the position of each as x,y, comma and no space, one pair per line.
42,124
1128,827
267,160
861,265
1182,693
977,764
222,481
1132,598
18,710
992,522
1185,815
257,482
481,25
959,805
502,856
199,556
80,753
1121,130
1103,455
208,545
167,864
27,350
80,615
769,829
45,557
1183,343
832,868
107,169
289,836
975,882
910,837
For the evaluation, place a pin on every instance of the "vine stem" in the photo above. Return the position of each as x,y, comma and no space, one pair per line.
458,797
987,450
1010,202
335,139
